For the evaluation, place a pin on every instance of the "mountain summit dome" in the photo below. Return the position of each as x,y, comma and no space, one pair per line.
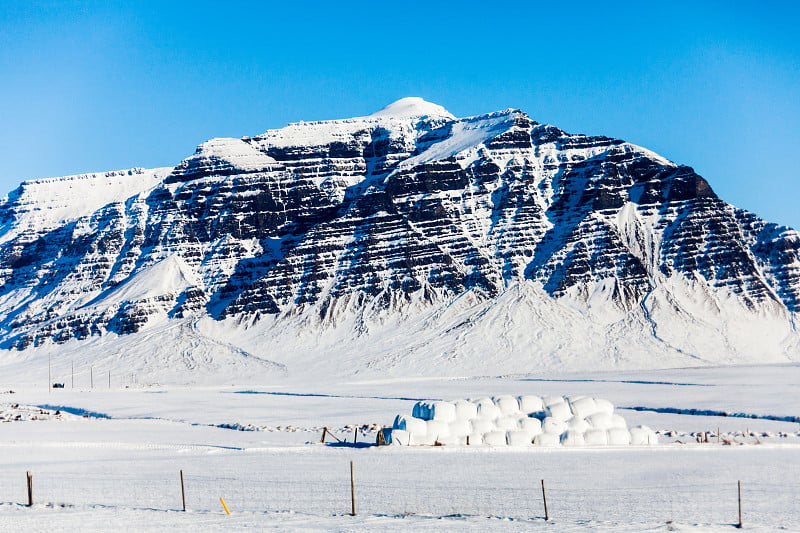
413,106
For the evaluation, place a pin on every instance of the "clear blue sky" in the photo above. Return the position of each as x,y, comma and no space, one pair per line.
90,86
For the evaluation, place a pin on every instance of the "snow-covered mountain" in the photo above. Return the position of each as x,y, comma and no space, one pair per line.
406,241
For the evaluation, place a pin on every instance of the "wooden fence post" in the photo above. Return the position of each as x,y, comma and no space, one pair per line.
324,432
544,499
352,489
355,433
183,493
29,476
739,525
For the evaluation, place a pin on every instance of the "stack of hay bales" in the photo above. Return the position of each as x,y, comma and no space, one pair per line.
517,421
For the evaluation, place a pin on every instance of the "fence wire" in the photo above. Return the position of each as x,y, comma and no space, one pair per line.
417,484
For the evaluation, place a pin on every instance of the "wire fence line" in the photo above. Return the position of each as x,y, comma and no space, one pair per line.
321,486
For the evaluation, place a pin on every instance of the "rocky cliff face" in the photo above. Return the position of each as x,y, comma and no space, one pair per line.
395,214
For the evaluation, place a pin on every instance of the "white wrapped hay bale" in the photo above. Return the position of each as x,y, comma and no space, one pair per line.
619,437
596,437
642,436
384,436
438,429
519,438
444,411
601,420
560,411
488,410
506,423
448,440
531,425
495,438
531,404
553,425
617,422
508,405
410,424
475,439
577,424
422,410
573,437
552,400
422,440
502,420
547,439
466,410
460,428
582,406
604,406
482,426
398,437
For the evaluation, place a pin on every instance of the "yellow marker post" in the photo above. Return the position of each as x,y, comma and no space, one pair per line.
224,505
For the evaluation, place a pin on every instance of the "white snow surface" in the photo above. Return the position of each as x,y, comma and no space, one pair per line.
49,202
412,107
467,134
238,153
169,276
258,447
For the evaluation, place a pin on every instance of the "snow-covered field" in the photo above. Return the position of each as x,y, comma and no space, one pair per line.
258,448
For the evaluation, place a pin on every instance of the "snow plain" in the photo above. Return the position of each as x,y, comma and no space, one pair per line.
258,447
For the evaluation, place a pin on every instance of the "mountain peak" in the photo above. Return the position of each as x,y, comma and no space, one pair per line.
391,240
413,106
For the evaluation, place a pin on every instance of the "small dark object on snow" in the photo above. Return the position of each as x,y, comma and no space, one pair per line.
58,385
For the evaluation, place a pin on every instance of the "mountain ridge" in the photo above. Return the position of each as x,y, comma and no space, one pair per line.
348,225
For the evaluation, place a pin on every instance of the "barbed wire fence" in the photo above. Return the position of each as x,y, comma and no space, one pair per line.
322,487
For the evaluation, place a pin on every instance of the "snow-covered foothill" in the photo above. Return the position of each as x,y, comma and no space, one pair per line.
517,421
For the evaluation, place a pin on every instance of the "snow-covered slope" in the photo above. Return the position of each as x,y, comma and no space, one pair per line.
406,241
43,204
